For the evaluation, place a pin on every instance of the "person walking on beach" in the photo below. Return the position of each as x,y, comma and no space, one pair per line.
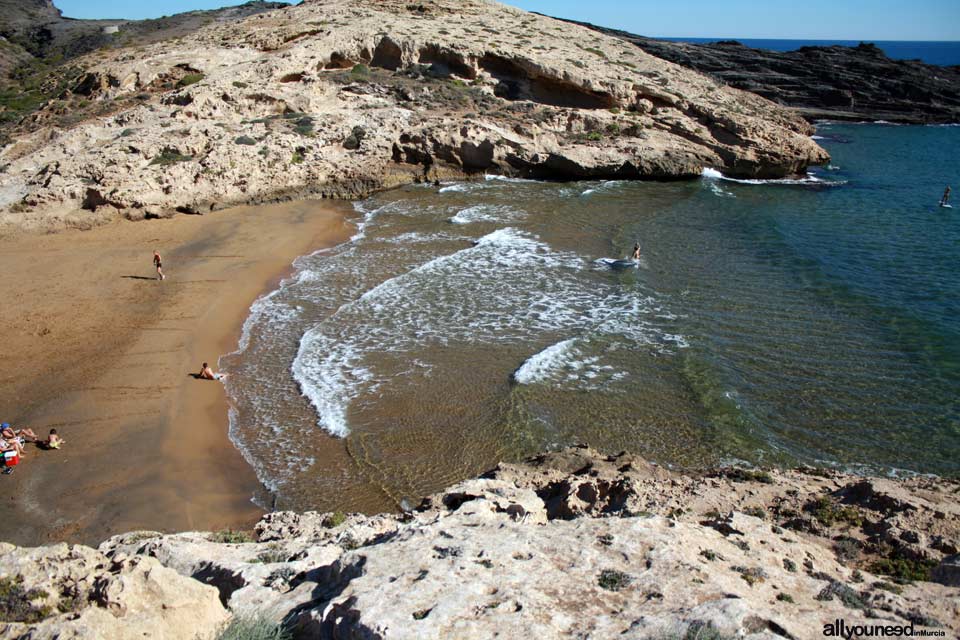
946,197
158,263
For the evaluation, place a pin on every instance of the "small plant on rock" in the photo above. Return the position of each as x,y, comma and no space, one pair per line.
228,536
253,628
360,72
828,513
334,519
169,156
613,580
16,605
189,79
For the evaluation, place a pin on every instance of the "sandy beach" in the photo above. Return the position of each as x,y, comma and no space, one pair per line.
94,346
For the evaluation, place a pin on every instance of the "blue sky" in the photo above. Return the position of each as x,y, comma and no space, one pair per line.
809,19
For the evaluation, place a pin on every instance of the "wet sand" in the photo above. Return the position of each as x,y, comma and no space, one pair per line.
94,346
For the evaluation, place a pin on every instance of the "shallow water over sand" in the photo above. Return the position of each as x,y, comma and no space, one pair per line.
805,321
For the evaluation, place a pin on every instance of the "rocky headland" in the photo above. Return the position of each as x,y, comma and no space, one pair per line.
343,98
835,82
568,544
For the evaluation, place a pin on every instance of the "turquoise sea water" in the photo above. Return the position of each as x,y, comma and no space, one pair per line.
811,321
942,53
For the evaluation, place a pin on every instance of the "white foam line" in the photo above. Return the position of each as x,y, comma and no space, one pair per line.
713,174
538,366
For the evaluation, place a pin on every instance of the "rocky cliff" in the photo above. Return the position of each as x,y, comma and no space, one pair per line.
342,98
569,544
842,83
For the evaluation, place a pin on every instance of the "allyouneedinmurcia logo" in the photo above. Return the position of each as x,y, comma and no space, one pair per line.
840,629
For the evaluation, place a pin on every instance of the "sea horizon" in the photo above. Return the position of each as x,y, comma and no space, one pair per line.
936,52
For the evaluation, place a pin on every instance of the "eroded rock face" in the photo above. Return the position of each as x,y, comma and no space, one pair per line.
835,82
575,543
268,108
80,593
569,544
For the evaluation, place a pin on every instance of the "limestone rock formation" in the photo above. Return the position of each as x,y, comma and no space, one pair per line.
835,82
271,107
576,544
70,591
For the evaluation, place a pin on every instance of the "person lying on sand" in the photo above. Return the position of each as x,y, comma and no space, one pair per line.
25,434
53,441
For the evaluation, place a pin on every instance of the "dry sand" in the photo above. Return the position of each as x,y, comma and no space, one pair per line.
96,347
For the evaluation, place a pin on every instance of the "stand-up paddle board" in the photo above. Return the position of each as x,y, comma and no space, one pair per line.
618,264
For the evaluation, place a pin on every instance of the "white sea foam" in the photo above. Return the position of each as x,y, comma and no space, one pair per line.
809,179
490,176
539,366
459,187
485,213
509,287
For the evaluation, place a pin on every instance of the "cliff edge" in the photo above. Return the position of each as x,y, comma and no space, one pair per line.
568,544
342,98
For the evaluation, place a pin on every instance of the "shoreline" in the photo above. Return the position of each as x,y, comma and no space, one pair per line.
101,351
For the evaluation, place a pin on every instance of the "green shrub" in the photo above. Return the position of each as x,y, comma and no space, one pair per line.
360,71
751,575
240,85
297,157
785,597
245,140
756,512
303,126
903,569
170,156
228,536
273,554
739,474
849,597
253,628
126,133
887,586
828,513
613,580
189,79
16,605
334,520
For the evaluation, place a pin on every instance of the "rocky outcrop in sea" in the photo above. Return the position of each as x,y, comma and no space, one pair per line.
568,544
834,82
344,98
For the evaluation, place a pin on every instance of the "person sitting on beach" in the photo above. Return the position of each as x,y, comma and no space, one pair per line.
636,251
206,373
4,447
10,441
53,441
945,198
158,263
